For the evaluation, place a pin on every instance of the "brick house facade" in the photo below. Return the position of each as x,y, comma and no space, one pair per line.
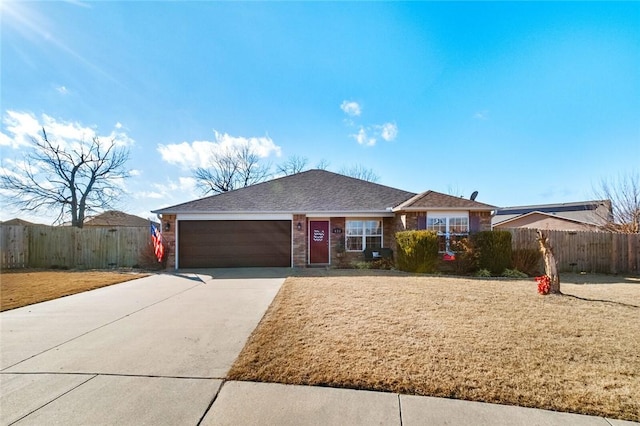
350,212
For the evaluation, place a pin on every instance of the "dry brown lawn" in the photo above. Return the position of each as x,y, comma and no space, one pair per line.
483,340
21,288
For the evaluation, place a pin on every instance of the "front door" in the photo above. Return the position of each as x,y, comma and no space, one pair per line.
319,241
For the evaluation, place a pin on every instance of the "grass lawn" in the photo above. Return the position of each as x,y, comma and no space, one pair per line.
483,340
21,288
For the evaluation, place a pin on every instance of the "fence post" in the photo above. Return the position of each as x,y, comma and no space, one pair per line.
614,255
633,249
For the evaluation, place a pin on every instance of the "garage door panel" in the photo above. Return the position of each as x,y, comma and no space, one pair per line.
223,244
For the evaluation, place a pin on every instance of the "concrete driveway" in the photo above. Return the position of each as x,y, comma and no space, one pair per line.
150,351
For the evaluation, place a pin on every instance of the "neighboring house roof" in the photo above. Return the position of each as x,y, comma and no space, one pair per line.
432,200
115,218
593,212
17,221
305,192
544,215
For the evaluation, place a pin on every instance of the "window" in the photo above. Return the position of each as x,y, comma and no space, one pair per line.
450,229
362,234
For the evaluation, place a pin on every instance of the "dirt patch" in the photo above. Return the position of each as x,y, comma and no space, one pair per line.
21,288
483,340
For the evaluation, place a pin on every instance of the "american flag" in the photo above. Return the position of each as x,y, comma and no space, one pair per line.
156,238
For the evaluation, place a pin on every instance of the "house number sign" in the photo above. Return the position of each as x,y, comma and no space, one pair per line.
318,235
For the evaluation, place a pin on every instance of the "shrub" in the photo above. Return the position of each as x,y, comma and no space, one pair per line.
493,249
384,263
514,273
417,251
466,261
528,261
483,273
360,264
63,267
147,257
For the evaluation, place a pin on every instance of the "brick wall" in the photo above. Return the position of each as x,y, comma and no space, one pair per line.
388,233
169,237
337,241
485,220
299,240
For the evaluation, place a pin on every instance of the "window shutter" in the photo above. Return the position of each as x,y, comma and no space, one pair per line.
474,223
422,222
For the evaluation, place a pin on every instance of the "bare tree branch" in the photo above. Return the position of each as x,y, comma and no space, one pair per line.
360,172
294,164
70,180
231,169
455,190
623,194
323,164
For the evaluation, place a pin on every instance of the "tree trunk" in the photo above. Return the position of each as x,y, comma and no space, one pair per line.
550,265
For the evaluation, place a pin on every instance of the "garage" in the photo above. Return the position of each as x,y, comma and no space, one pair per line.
234,243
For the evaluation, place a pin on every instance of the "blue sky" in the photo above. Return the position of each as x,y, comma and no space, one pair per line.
526,103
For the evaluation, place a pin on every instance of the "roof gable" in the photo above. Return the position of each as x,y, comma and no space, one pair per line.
543,215
115,218
309,191
17,221
430,200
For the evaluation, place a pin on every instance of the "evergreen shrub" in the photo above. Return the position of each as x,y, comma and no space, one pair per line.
493,250
417,251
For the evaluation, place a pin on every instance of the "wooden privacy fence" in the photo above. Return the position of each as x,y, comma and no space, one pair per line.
600,252
40,246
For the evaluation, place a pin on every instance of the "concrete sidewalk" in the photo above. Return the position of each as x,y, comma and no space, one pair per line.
156,350
244,403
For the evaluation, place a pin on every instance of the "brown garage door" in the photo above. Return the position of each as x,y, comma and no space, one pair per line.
232,244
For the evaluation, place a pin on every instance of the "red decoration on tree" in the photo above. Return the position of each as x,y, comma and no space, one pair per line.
544,284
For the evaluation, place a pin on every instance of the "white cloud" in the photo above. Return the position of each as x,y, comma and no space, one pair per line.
187,184
187,155
62,90
481,115
388,131
150,194
351,108
22,127
363,138
367,135
171,191
5,140
200,153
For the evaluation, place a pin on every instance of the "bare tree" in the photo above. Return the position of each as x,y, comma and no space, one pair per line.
455,190
231,169
294,164
550,264
624,194
323,164
360,172
72,179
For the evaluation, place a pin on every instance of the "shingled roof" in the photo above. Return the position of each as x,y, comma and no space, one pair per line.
115,218
305,192
432,200
593,212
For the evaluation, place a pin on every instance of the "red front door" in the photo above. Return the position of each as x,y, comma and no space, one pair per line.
319,241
